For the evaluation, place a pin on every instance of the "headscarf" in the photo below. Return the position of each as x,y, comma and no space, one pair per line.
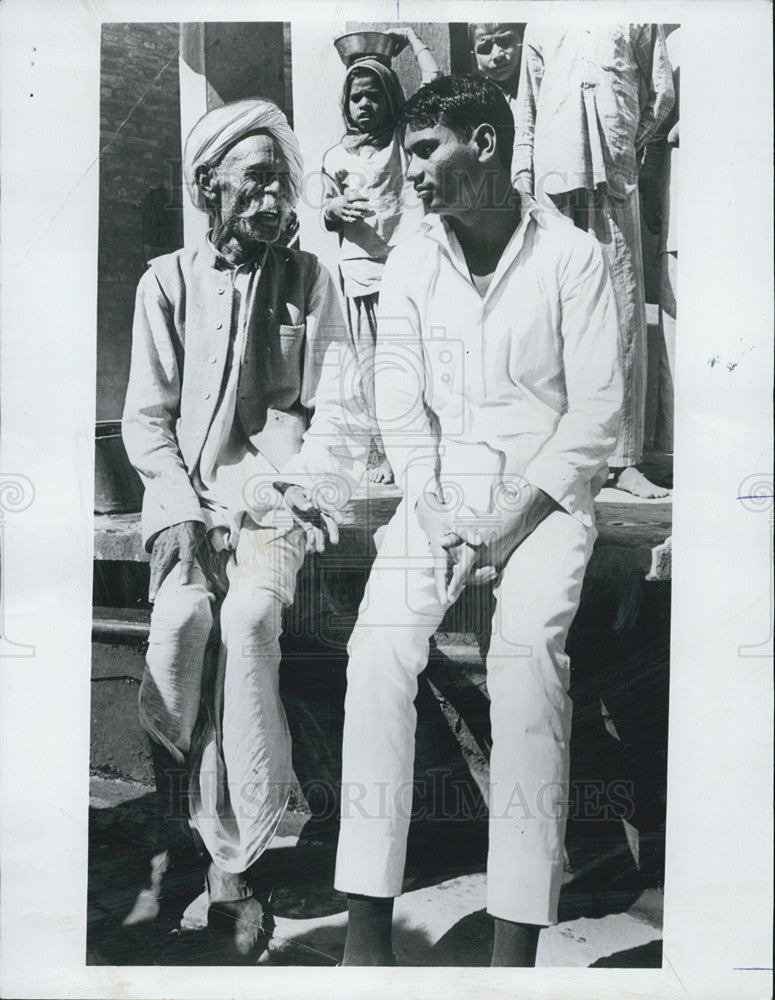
394,96
218,130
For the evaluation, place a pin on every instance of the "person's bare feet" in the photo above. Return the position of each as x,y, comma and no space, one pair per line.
631,480
382,472
246,921
174,876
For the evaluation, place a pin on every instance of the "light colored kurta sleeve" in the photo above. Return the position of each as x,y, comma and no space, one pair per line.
331,187
525,110
334,451
150,412
650,48
403,413
585,434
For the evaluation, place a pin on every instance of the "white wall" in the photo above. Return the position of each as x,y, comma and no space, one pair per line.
318,77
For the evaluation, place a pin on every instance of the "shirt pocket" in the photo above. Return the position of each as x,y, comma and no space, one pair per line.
288,370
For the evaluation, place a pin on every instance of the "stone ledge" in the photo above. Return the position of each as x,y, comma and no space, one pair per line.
627,525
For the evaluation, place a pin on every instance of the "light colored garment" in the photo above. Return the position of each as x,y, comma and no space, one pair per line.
479,390
223,126
379,176
183,328
184,433
524,382
527,678
669,230
616,225
661,159
238,754
661,391
361,312
588,100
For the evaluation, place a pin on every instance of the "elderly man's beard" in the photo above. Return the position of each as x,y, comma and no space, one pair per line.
253,219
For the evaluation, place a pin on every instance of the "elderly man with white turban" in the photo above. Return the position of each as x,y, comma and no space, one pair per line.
245,420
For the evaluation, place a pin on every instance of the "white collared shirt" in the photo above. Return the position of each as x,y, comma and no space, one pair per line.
521,383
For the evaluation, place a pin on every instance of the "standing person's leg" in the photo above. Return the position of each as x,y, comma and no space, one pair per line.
241,788
362,322
663,437
169,700
619,230
388,650
616,224
528,674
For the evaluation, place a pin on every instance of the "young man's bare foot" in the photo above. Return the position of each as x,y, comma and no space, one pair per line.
381,473
631,480
369,931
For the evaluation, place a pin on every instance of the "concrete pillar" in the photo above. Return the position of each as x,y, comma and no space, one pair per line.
318,76
223,62
193,104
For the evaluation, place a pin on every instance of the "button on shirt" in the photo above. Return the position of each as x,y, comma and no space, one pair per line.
180,427
521,383
227,465
588,100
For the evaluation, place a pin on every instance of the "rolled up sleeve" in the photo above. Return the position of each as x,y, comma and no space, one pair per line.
525,111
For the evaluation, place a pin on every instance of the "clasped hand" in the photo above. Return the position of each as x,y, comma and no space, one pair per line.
463,553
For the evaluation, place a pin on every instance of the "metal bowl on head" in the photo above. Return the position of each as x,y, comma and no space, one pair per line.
365,44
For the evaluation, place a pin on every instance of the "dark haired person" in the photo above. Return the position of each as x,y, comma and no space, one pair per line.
589,100
498,396
368,202
497,52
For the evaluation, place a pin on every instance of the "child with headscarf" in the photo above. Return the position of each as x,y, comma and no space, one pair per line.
369,204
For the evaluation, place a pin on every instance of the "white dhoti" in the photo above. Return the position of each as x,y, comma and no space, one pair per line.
232,737
527,676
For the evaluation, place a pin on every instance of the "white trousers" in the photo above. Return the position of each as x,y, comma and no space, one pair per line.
527,677
232,736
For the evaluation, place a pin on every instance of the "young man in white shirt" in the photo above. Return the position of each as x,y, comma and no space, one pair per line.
498,395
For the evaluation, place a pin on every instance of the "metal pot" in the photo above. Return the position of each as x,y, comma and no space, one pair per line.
118,488
361,44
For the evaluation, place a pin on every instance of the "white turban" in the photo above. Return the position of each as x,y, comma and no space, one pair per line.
222,127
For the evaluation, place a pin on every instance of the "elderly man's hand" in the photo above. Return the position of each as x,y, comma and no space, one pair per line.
184,543
317,520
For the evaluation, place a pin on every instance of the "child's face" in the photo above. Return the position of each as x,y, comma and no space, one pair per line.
367,104
496,49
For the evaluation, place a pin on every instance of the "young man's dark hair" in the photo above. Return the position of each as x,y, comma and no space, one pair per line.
462,103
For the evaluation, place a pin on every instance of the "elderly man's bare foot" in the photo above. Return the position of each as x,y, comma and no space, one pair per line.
174,876
248,924
631,480
381,473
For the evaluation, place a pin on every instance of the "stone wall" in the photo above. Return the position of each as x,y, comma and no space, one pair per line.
140,207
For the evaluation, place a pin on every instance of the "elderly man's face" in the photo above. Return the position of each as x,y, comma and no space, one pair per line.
251,188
